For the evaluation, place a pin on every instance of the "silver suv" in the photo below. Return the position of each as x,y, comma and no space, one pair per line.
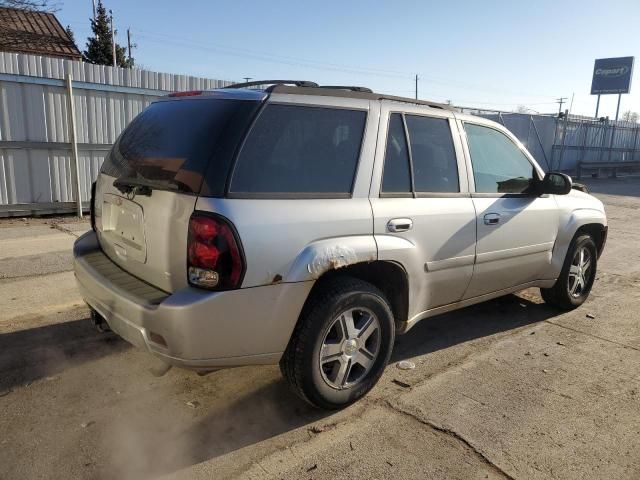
309,225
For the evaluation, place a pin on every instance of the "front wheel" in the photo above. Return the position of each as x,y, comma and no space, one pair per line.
577,276
341,345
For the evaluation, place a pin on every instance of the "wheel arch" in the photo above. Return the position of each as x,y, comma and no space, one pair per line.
389,277
590,221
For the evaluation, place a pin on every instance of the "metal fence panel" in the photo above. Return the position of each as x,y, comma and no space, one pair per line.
36,166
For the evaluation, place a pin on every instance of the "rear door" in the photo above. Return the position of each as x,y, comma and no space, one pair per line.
179,148
516,226
423,213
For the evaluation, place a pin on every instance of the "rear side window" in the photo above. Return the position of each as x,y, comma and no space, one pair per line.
435,168
172,144
396,177
300,149
430,163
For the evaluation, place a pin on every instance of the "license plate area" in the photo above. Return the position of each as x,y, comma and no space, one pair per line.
123,228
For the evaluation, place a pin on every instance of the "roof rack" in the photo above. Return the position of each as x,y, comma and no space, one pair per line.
348,87
364,94
297,83
312,88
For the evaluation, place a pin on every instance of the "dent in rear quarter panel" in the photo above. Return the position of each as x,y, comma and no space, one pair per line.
276,234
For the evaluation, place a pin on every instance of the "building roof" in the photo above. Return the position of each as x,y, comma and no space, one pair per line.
37,33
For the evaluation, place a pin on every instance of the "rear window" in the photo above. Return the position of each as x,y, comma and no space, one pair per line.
300,150
435,168
172,144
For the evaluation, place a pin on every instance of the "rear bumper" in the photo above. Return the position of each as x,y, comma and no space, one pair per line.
202,330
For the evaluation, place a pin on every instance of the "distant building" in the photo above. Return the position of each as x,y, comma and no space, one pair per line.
36,33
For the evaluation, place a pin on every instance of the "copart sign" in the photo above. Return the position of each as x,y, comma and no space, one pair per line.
612,75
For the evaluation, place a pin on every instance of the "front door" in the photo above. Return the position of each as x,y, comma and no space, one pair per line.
423,213
516,227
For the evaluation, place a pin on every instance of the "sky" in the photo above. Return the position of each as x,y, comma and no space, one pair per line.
487,54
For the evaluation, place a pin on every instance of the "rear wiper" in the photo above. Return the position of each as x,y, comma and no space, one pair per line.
140,186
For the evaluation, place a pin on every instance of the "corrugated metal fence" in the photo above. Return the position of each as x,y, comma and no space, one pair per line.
36,168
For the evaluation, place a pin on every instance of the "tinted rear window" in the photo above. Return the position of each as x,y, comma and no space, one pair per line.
172,144
299,149
435,168
396,177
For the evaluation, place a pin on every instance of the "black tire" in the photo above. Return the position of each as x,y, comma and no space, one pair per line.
301,364
560,295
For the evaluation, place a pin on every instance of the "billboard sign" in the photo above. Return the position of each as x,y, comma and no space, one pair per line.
612,75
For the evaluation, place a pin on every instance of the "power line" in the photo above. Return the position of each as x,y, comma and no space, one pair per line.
300,62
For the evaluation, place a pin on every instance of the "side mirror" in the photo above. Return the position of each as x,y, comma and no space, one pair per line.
556,183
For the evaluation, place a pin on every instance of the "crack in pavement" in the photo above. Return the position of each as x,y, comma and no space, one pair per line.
452,433
31,275
620,344
62,229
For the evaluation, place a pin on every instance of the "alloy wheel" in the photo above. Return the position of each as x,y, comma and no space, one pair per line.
350,348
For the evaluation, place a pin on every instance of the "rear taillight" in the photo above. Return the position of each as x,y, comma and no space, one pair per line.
214,258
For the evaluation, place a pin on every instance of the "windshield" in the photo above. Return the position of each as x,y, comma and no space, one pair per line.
172,143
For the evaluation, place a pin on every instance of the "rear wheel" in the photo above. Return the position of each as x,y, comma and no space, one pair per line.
341,345
578,274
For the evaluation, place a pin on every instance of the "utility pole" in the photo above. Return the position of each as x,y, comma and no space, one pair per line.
571,104
113,39
94,10
560,100
129,45
246,79
416,86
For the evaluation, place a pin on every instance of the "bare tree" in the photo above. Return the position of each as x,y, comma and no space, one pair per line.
630,116
32,5
521,109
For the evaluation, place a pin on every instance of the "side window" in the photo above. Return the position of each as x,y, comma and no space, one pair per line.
435,168
499,166
297,149
396,177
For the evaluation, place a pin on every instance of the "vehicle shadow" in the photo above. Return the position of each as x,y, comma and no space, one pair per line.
27,355
470,323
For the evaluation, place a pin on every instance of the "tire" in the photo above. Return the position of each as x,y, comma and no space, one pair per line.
565,294
331,361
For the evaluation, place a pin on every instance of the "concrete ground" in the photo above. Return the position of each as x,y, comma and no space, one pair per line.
507,389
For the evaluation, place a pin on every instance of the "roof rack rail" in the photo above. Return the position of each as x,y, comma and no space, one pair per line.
297,83
348,87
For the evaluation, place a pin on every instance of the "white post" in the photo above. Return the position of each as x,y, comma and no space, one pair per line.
74,145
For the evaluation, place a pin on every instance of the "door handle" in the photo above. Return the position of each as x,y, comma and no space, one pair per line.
399,225
492,219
